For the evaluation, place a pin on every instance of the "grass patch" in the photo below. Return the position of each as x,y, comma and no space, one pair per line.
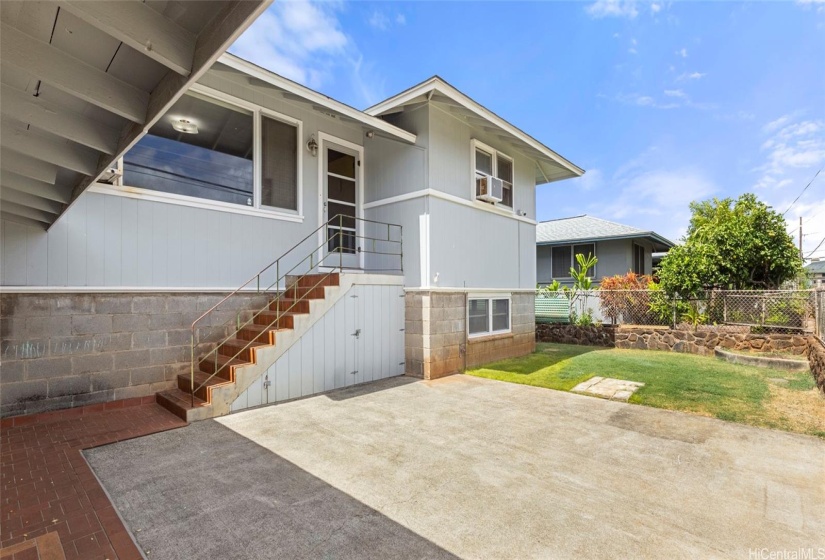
701,385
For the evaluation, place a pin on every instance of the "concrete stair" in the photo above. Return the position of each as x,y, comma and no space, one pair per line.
251,348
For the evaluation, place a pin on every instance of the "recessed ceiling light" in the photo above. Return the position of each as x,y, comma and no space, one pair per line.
185,126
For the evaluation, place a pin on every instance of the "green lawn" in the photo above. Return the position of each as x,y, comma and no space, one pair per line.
702,385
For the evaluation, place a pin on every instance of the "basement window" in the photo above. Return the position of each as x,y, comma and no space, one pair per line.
488,315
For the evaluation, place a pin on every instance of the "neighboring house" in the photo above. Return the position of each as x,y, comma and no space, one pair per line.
816,272
427,267
619,248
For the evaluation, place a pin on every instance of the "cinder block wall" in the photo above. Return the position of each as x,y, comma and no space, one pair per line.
436,334
66,350
521,341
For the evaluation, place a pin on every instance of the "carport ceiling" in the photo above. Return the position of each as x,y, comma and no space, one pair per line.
83,80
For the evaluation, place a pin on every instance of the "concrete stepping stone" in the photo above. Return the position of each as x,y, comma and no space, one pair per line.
608,388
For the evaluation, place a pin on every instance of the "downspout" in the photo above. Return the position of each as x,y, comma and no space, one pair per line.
466,327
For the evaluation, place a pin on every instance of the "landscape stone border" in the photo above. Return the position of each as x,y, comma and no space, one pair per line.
762,361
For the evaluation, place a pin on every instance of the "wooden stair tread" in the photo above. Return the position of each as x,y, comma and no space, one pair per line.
203,378
223,360
239,351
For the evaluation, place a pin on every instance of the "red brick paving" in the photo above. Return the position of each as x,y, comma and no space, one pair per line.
47,486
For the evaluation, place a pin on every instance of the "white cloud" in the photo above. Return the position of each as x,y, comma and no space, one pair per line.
682,52
675,99
775,124
655,8
593,179
790,146
656,199
819,5
690,76
612,8
794,150
379,20
303,40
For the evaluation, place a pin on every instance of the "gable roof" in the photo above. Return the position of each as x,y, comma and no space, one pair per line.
550,166
589,228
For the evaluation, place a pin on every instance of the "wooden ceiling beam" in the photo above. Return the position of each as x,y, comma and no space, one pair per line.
9,180
30,213
62,154
30,201
21,106
45,62
9,217
142,28
28,167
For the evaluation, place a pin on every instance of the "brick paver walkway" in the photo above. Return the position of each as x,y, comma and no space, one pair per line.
46,484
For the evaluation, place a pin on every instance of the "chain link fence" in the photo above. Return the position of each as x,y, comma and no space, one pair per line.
778,311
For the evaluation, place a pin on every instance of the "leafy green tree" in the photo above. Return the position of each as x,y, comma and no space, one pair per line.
736,244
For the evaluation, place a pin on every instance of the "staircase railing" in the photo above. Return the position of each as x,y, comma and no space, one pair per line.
338,234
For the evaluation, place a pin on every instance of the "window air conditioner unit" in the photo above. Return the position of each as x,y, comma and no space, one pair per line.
489,189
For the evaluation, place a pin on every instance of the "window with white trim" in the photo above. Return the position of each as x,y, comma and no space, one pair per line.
210,146
488,315
489,161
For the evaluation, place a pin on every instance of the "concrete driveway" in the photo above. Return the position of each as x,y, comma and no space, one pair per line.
471,468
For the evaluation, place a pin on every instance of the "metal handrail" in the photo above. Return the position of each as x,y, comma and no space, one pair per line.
296,283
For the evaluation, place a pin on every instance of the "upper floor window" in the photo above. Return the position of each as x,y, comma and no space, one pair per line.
207,146
490,162
200,148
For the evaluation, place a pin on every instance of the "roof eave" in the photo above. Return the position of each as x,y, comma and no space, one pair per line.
252,69
650,235
437,84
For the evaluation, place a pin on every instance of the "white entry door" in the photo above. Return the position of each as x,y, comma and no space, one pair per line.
342,204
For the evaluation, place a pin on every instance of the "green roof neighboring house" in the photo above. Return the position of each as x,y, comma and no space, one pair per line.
620,248
816,270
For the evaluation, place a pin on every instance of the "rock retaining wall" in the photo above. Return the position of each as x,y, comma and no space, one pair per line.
816,358
704,340
573,334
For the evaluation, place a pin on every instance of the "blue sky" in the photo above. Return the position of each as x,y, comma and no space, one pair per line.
661,102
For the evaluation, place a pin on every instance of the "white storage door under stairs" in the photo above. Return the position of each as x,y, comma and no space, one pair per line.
359,339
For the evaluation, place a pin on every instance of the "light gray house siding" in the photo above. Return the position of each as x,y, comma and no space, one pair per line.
462,249
615,257
114,241
106,240
450,160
